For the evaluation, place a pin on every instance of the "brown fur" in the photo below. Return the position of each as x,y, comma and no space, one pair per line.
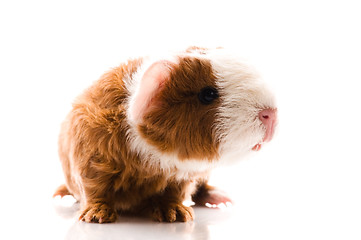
191,133
105,175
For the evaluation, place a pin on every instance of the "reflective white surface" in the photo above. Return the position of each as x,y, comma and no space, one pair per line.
139,228
305,184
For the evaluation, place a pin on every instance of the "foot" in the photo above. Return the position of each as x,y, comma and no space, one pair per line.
98,213
62,191
172,212
211,197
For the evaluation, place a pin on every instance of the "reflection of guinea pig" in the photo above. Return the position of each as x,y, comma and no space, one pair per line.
144,137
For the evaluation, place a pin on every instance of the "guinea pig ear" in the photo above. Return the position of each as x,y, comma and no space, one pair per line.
150,84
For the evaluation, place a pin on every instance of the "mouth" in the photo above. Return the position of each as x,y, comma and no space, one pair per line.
267,137
257,147
270,130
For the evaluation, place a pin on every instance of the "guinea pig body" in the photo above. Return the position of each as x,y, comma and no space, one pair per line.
144,137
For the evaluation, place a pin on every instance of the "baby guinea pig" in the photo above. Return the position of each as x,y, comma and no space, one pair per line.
145,136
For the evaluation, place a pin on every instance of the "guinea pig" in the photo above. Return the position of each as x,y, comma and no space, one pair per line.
145,136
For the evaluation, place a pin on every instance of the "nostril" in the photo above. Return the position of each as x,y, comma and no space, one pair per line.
267,116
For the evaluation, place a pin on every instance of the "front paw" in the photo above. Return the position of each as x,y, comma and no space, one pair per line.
98,213
172,212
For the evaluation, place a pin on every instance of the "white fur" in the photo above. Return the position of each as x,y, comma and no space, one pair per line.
238,128
243,95
167,162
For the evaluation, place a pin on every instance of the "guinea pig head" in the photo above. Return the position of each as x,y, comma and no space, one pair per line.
202,107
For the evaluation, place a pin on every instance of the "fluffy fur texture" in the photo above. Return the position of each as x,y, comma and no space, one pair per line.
140,141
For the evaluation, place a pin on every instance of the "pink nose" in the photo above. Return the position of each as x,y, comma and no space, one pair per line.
269,119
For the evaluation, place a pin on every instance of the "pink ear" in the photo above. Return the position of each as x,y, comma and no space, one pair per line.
150,84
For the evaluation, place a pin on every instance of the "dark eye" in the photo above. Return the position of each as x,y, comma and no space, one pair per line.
207,95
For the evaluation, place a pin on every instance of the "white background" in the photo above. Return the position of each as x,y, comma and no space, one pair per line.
306,184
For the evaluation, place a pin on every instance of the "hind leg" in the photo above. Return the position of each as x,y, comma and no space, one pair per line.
207,195
62,191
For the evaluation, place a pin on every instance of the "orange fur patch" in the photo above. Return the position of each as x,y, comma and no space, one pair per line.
191,133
